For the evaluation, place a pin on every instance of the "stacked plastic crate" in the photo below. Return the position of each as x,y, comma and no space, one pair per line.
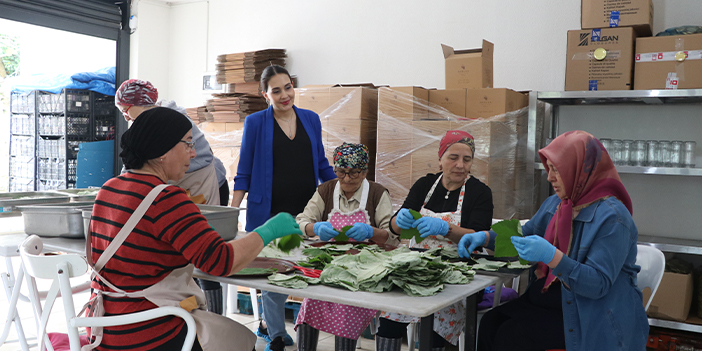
64,121
22,142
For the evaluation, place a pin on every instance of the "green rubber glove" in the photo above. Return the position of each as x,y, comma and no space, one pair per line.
280,225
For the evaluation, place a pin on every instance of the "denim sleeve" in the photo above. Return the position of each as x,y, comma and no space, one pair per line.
593,275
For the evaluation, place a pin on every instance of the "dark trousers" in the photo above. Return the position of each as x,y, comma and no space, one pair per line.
534,321
396,330
224,194
177,342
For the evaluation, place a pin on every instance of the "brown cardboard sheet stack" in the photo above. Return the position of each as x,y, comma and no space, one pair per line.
247,66
233,107
197,114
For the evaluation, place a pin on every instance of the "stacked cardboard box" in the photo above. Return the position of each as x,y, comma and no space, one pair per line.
247,66
637,14
349,113
669,62
197,114
410,128
601,55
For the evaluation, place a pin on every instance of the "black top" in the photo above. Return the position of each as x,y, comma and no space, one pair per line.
477,201
293,171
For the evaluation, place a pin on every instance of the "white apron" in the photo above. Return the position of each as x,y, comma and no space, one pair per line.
214,332
334,318
203,181
448,322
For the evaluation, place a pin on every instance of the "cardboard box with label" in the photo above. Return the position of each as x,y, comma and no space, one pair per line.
618,13
670,62
673,297
469,69
349,113
600,59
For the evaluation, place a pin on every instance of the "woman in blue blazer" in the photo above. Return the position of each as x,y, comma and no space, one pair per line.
280,165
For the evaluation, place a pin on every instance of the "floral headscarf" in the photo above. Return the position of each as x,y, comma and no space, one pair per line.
136,92
456,136
349,155
588,175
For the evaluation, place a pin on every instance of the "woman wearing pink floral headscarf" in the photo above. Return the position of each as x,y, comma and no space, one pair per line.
584,239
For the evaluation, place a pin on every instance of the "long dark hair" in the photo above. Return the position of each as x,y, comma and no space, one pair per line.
269,72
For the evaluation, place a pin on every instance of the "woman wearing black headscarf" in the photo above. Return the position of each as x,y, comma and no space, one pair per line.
155,261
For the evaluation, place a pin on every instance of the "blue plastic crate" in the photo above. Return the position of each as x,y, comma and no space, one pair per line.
245,305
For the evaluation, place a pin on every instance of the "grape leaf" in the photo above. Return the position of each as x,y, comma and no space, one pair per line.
288,242
503,242
412,232
342,233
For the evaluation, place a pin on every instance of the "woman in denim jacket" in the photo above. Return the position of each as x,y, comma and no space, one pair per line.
584,240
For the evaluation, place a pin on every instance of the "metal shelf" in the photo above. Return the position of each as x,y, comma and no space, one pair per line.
656,97
674,245
675,325
695,172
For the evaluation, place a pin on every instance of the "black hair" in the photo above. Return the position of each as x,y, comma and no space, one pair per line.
271,71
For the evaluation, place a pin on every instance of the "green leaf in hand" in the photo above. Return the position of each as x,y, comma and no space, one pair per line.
342,233
503,242
412,232
289,242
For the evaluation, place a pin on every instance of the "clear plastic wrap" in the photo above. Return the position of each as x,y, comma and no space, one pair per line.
402,132
409,131
225,142
348,114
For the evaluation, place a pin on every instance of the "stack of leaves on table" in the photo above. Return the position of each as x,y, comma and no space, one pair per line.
417,273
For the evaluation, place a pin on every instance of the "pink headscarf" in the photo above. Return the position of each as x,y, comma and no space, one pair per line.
588,175
136,92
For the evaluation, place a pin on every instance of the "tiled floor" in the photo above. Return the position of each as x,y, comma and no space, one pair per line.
57,324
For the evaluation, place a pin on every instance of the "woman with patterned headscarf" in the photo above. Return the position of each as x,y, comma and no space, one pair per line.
584,296
350,200
452,204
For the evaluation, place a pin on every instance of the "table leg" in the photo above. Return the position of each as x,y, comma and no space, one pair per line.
426,329
471,323
497,295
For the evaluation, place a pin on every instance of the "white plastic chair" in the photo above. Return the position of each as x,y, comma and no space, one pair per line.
652,262
59,269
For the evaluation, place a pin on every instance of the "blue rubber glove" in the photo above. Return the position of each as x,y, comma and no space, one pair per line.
431,226
404,219
534,248
324,231
470,242
360,232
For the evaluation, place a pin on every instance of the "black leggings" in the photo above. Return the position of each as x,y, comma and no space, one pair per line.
224,194
534,321
396,330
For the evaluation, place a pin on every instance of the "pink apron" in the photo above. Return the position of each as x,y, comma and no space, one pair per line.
214,332
448,322
341,320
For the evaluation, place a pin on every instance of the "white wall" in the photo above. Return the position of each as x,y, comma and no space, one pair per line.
393,42
150,44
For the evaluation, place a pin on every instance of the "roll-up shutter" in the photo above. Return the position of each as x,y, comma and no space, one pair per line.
106,19
98,18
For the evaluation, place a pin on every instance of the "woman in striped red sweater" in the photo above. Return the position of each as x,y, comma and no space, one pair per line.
155,261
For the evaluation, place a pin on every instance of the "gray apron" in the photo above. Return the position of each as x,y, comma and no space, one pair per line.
214,332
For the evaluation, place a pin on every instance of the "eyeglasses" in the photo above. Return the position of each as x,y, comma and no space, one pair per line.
190,144
126,112
353,174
